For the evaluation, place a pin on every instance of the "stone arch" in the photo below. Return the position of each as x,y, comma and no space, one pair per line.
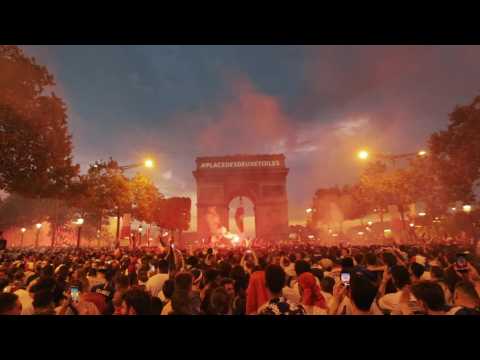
261,178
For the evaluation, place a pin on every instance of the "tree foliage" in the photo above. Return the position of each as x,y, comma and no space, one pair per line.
456,152
35,145
173,213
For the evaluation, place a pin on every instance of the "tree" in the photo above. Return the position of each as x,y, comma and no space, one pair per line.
173,214
145,195
375,187
456,152
103,191
35,145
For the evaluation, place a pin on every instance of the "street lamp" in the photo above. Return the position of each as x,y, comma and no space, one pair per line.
38,226
140,235
422,214
23,230
363,154
467,209
309,210
79,222
148,163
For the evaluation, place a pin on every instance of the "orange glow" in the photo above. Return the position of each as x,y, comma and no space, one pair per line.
363,154
422,153
149,163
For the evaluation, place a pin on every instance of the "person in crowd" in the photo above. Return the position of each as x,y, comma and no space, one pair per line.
466,300
182,302
211,282
106,288
166,296
156,305
257,291
221,301
326,286
43,303
240,280
416,271
80,306
310,292
437,275
155,283
136,301
277,304
10,304
361,292
429,296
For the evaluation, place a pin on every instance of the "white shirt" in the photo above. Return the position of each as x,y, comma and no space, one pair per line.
391,302
154,285
292,293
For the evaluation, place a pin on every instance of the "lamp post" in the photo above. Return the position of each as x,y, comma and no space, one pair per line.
38,226
140,235
22,230
467,209
148,163
79,222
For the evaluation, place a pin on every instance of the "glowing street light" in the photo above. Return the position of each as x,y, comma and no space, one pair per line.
412,224
422,214
309,210
360,233
23,230
370,223
149,163
467,208
363,154
37,236
79,222
139,236
422,153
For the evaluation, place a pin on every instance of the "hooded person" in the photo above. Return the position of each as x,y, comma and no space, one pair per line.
311,295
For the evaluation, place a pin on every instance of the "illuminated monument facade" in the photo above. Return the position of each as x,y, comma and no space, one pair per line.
261,178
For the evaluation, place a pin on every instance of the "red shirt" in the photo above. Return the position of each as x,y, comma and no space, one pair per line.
257,292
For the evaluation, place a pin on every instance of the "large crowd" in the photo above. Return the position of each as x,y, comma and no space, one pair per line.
282,279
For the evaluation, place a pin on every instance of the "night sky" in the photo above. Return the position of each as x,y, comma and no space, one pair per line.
316,104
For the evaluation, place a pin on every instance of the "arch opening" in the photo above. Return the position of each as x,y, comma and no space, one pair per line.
247,216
